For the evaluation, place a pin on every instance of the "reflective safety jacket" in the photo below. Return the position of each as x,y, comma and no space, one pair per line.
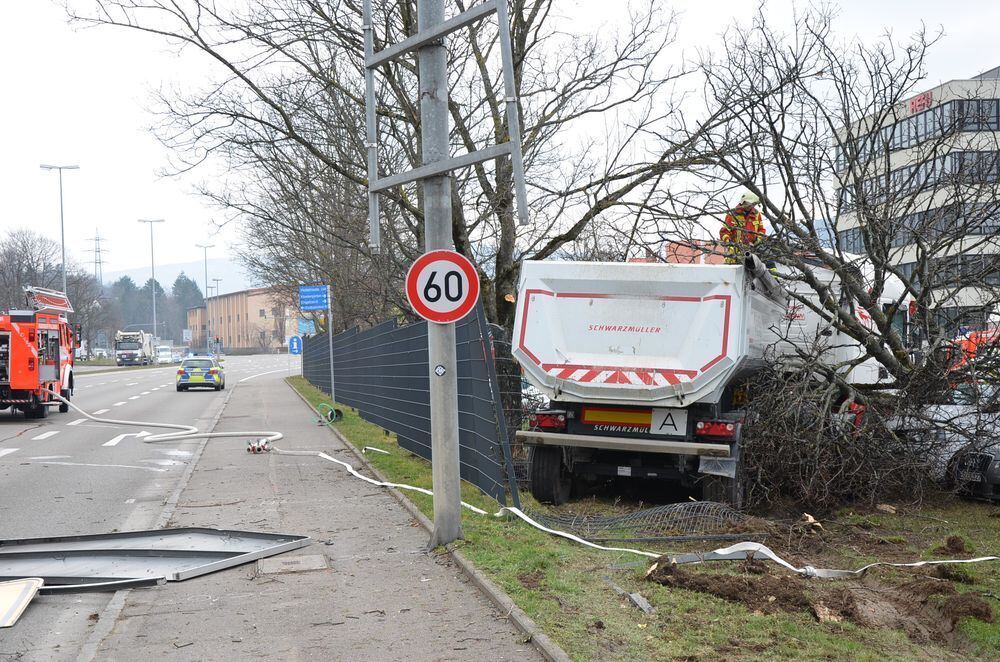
743,225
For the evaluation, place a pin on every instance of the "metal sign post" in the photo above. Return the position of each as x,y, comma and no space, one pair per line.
434,175
329,336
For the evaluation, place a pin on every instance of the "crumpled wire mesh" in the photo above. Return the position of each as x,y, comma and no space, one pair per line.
676,521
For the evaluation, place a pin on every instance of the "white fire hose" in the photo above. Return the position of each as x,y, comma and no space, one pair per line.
739,551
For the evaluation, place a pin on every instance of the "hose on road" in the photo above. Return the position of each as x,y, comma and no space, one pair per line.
739,551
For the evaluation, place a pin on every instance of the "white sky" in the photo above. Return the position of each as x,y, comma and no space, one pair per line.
81,97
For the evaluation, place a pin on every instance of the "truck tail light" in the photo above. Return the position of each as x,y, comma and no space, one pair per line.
31,363
548,420
715,429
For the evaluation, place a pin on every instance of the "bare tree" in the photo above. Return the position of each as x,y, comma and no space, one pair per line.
285,116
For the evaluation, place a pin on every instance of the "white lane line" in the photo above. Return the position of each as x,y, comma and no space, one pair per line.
8,451
50,457
261,374
119,404
129,500
132,384
114,442
101,411
45,435
77,421
157,388
118,466
134,397
144,393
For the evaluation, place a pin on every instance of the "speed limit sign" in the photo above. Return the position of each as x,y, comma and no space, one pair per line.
442,286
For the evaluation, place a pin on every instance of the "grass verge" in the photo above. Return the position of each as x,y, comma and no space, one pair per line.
564,587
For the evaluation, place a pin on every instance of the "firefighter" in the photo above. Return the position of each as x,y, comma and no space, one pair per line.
742,229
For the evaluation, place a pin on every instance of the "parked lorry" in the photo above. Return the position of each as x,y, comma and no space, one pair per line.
643,366
133,348
36,353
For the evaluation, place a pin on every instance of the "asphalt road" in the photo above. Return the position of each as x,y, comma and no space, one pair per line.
66,475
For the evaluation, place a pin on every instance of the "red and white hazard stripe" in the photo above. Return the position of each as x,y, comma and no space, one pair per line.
656,377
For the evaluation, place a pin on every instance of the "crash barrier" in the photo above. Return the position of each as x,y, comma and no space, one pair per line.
382,372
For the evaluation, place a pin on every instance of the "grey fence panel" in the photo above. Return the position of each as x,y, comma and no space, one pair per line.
382,372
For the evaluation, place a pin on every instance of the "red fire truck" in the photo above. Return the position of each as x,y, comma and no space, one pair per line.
36,353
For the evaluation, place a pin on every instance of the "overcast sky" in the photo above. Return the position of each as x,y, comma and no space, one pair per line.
82,97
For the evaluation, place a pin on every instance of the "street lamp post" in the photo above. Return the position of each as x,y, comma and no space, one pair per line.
152,266
218,292
206,247
62,224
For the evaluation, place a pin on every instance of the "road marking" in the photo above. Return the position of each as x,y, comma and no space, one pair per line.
134,397
157,388
45,435
114,442
100,411
50,457
261,374
119,404
129,500
8,451
131,383
118,466
77,421
144,393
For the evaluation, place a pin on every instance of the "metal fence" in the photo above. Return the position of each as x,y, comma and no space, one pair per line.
382,372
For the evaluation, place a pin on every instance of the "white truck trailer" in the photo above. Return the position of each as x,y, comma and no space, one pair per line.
643,365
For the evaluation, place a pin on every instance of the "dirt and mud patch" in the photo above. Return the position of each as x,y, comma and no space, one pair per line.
531,580
925,607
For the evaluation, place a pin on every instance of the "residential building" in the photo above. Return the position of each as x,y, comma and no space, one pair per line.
242,321
927,177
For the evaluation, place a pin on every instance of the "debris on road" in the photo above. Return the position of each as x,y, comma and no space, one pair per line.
103,562
14,598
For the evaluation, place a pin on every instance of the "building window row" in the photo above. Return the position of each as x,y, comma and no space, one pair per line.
929,225
958,167
953,116
953,270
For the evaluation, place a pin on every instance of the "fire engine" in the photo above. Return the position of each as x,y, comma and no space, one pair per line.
36,353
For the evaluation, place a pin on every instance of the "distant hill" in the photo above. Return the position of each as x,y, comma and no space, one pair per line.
233,278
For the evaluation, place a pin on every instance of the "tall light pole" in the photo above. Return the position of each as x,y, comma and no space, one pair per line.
152,266
62,225
206,247
218,292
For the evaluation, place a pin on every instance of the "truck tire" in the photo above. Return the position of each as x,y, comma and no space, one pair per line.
551,481
730,491
64,406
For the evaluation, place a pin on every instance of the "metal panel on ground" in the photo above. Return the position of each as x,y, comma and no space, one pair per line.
106,561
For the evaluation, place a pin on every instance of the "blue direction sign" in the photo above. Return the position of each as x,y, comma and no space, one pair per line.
306,326
313,297
295,345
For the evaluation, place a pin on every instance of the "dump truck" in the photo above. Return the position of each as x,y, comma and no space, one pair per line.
36,353
643,367
133,348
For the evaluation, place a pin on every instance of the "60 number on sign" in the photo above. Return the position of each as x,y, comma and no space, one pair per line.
442,286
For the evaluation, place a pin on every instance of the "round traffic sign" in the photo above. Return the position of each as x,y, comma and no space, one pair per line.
442,286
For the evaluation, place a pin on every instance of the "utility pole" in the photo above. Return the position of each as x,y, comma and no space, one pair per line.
218,292
432,65
62,224
206,247
152,267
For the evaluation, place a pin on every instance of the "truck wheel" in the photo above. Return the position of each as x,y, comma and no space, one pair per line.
551,481
64,406
731,491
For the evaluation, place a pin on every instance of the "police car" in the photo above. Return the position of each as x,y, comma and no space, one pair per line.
201,372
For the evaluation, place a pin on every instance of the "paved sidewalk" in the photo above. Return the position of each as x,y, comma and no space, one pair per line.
382,597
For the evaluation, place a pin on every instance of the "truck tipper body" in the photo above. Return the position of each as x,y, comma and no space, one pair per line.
644,367
133,348
36,353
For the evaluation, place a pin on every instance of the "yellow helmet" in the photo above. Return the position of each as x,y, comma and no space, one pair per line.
749,199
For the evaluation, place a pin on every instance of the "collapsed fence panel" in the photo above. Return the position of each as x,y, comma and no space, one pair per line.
382,372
